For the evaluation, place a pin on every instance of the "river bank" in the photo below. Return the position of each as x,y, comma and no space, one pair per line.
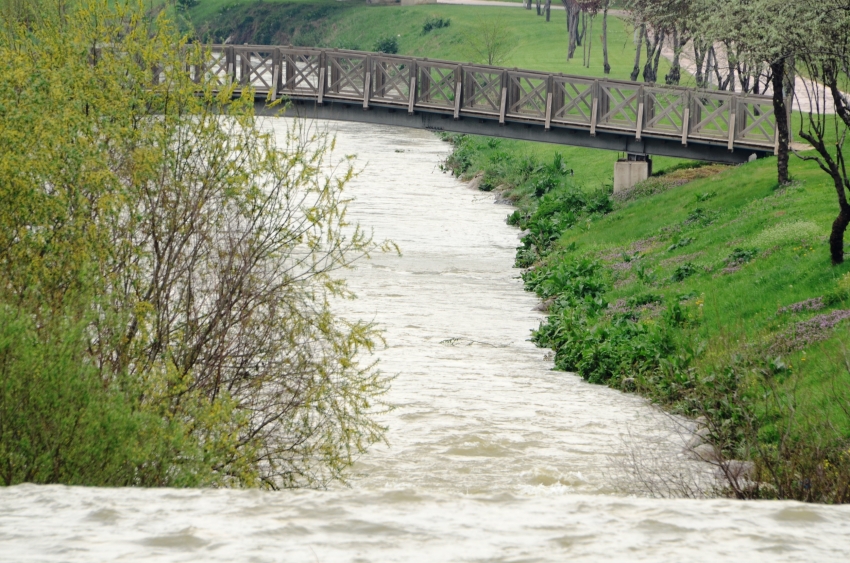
706,289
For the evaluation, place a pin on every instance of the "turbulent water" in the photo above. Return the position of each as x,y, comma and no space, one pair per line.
492,456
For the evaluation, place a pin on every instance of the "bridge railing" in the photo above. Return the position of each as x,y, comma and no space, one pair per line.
507,95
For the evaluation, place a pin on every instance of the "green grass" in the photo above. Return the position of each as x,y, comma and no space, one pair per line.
539,45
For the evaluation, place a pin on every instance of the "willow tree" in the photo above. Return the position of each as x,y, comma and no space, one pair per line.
170,264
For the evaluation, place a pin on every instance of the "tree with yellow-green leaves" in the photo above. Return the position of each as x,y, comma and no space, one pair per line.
166,269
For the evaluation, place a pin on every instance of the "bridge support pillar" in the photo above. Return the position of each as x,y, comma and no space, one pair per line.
631,170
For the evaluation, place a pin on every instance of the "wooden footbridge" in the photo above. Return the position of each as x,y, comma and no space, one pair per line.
623,116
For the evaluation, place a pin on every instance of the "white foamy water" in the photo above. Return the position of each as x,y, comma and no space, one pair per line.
492,456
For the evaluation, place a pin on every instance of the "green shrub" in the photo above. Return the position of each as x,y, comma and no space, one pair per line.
387,45
435,22
683,271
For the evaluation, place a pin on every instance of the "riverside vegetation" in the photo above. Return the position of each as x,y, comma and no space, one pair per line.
705,288
167,269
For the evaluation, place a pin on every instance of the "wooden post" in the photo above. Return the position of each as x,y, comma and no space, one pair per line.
469,85
604,103
276,62
411,94
685,125
425,84
378,77
367,81
732,119
639,121
334,85
550,86
458,91
502,107
594,107
245,66
514,90
367,84
230,59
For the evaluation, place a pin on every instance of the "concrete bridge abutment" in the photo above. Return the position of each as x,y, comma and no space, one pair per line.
631,170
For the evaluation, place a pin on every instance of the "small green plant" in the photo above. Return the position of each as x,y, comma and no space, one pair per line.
644,299
643,274
683,271
543,185
741,256
679,243
705,196
696,215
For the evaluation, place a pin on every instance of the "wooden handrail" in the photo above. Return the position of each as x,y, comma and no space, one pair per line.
459,90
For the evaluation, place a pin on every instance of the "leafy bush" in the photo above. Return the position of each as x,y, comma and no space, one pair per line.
435,22
683,271
601,349
600,202
741,256
387,45
543,184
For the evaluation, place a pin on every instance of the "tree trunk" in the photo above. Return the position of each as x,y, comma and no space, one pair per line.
605,66
653,55
582,17
539,12
836,237
780,111
675,73
571,8
722,83
700,52
589,40
636,69
548,9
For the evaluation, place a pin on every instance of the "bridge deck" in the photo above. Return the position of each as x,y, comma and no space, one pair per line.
416,92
